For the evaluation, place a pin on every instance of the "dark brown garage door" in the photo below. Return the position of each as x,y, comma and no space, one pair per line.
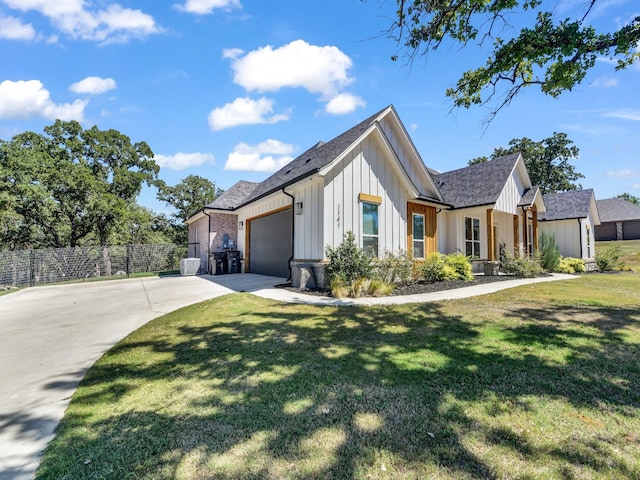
270,244
631,230
605,231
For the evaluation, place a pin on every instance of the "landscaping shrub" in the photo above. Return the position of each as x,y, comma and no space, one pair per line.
438,267
347,261
522,266
379,288
571,265
610,259
394,267
549,253
461,265
338,288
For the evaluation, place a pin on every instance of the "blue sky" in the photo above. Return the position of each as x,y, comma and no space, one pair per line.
233,89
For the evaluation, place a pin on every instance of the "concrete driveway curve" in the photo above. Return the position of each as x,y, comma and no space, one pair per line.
51,335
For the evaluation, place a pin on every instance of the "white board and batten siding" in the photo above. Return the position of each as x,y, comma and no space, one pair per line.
367,170
511,194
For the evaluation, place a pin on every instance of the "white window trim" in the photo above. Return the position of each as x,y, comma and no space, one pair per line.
362,234
413,234
475,254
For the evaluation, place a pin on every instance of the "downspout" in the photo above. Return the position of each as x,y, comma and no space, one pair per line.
580,234
293,230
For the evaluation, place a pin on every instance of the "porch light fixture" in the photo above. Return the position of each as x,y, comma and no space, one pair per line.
240,225
298,208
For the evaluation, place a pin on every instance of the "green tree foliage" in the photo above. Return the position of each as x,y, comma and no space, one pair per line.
554,54
547,161
192,193
625,196
69,186
347,262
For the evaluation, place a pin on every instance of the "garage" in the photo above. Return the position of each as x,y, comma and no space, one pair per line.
270,244
605,232
631,230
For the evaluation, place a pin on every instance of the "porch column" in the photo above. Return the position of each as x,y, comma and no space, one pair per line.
516,236
491,241
525,233
534,212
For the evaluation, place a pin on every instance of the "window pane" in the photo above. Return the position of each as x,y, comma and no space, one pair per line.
418,249
370,245
467,229
476,229
469,249
369,219
418,227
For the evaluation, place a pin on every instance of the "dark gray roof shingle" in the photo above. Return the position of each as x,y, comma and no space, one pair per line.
529,197
617,210
311,161
566,205
479,184
234,196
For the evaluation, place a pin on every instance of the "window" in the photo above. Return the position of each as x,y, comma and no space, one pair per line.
370,227
588,242
472,237
418,235
530,239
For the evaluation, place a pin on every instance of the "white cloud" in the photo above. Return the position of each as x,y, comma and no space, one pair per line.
12,28
605,82
636,186
112,24
244,111
344,103
267,156
232,53
321,70
181,160
93,85
29,99
623,173
203,7
624,114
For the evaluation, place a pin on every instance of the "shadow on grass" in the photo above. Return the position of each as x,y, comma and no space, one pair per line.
308,392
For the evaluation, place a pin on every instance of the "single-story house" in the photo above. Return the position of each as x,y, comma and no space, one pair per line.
619,220
369,180
572,216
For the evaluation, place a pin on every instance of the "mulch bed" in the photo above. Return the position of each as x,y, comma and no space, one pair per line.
422,287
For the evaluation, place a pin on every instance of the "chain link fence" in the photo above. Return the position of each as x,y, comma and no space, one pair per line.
37,267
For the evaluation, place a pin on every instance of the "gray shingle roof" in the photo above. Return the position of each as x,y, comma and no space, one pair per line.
617,210
479,184
529,197
233,196
311,161
566,205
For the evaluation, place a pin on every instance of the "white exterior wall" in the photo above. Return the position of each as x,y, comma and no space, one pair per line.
571,238
453,222
413,166
309,233
511,194
365,170
199,234
505,230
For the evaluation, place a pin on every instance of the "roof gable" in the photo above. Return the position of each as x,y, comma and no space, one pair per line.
233,196
478,184
567,205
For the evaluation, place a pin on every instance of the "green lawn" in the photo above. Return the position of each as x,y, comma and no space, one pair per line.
630,252
542,381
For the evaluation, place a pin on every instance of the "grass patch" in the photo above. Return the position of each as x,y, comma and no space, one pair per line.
630,252
542,381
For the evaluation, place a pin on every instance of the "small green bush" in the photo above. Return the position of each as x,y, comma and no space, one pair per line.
379,288
549,253
394,267
348,261
610,259
571,265
522,266
438,267
461,265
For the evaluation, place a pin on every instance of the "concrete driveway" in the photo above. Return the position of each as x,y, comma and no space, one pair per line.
50,336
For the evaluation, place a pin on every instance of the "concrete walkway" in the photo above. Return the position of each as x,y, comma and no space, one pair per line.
50,336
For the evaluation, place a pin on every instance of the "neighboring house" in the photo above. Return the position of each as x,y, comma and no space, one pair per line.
619,220
371,181
572,217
